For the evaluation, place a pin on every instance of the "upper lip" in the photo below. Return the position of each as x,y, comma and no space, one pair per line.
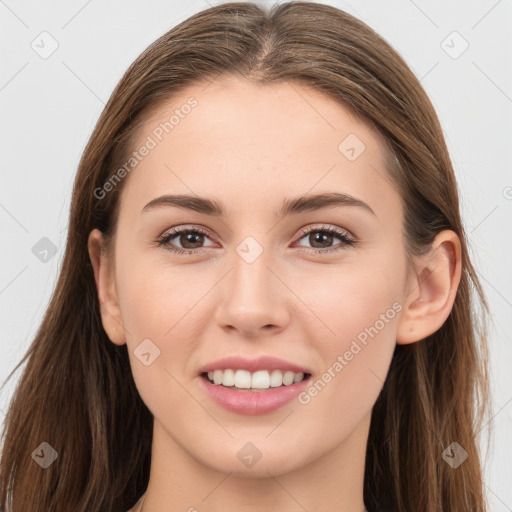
252,365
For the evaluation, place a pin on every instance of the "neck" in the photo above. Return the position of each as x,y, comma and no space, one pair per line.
331,482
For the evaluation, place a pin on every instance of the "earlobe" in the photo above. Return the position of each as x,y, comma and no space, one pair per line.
107,293
432,289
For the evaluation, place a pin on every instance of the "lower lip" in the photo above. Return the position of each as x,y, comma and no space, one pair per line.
253,402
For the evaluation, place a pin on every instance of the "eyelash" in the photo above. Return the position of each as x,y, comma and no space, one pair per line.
347,241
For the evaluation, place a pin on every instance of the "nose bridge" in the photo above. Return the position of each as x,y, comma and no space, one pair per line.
252,297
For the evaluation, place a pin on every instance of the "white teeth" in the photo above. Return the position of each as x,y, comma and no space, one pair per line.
217,376
242,379
276,379
261,379
228,379
288,378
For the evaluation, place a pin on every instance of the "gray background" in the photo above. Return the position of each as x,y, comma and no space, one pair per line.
49,107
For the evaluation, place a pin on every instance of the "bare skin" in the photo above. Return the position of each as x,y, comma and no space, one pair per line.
250,147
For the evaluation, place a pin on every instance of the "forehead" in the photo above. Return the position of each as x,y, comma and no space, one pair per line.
248,140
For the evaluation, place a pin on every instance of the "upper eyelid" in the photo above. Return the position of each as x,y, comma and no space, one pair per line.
183,229
325,227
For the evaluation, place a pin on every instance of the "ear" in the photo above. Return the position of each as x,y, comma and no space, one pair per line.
432,288
104,276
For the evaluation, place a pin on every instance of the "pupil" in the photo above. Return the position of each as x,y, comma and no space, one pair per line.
317,237
189,238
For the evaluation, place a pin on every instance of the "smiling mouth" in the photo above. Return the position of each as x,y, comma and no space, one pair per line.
261,380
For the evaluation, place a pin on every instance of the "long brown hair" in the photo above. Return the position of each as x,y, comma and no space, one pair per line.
77,392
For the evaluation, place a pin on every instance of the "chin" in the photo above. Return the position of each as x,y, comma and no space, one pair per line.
250,461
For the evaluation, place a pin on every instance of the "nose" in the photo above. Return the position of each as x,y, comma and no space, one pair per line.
253,299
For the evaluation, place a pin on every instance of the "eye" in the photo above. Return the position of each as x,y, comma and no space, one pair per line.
322,237
190,239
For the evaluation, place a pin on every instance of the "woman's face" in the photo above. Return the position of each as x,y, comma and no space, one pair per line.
258,278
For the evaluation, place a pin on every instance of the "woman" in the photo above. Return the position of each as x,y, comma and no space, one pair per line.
205,349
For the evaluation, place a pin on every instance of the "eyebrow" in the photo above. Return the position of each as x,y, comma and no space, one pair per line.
289,206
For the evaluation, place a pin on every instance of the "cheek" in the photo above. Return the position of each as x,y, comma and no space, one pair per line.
355,341
170,306
162,304
155,297
354,329
350,299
